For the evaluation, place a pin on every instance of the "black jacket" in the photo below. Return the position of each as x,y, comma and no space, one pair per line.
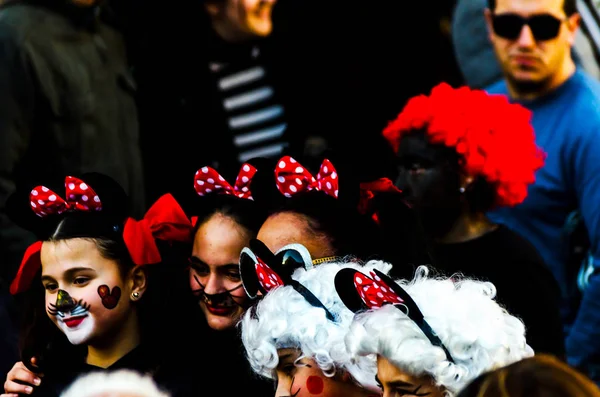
66,105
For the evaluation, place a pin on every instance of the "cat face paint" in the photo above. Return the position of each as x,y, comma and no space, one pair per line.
299,376
75,276
73,318
214,275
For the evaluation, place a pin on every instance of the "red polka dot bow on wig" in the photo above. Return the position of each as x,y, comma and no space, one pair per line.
359,292
80,197
374,292
208,180
291,178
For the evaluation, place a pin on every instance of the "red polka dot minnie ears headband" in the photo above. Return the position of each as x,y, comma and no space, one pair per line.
165,220
262,271
207,180
292,178
361,292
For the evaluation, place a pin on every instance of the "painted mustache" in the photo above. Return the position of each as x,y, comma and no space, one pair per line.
66,304
222,299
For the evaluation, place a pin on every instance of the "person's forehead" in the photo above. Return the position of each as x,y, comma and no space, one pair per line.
530,7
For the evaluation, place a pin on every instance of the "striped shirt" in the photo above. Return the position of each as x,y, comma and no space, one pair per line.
255,118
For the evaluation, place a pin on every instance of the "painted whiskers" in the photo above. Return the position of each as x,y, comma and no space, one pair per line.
66,304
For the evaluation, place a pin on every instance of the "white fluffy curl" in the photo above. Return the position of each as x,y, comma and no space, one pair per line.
284,319
123,382
479,334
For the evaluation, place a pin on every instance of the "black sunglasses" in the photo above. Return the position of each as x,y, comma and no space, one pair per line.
543,26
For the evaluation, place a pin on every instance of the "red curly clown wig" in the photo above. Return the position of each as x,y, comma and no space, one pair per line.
494,138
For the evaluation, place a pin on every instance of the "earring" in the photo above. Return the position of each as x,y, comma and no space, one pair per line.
135,295
462,189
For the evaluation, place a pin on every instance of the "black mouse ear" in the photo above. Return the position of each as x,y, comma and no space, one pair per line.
248,263
346,289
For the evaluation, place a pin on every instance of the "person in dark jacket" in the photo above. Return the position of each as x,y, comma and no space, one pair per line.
66,104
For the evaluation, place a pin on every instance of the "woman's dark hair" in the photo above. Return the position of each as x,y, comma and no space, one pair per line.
541,375
349,232
245,212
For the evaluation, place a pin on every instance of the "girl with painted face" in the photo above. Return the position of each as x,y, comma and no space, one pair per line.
462,152
226,217
92,300
431,336
295,334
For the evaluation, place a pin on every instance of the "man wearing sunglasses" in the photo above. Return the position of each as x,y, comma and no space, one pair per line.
532,40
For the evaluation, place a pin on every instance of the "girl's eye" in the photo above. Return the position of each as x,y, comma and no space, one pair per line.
235,275
81,280
50,287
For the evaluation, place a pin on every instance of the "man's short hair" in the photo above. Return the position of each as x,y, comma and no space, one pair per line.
569,6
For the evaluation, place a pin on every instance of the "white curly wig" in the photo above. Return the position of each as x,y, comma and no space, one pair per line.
284,319
114,383
478,333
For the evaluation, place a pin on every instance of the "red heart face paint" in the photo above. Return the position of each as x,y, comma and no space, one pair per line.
314,384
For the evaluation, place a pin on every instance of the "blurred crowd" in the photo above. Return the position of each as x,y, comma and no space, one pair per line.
276,197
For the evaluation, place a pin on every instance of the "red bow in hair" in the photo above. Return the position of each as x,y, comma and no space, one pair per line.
165,220
207,180
80,197
374,292
267,278
28,268
368,191
291,178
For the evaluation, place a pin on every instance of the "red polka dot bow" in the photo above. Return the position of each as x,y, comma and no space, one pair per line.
267,277
208,180
374,292
291,178
80,197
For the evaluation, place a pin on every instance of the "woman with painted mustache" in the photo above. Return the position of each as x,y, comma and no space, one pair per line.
89,279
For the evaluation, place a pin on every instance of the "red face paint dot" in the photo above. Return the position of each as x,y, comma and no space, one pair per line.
314,384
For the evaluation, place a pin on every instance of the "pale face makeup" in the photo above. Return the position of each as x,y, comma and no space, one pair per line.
301,377
214,271
395,382
86,296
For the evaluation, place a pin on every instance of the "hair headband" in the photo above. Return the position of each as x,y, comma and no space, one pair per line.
360,292
261,271
165,220
208,180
